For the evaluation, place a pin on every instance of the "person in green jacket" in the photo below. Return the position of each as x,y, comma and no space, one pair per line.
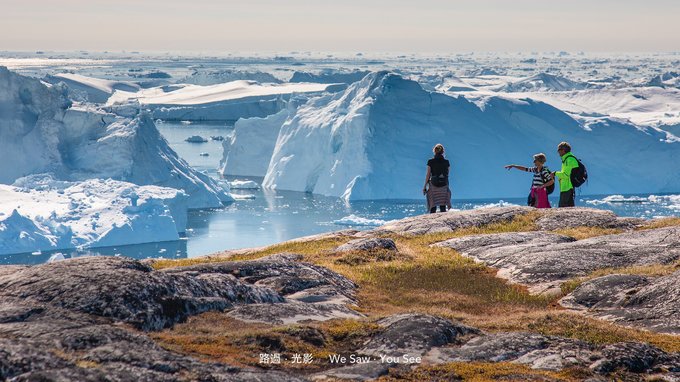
569,162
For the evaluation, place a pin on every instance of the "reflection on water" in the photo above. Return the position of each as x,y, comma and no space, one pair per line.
166,249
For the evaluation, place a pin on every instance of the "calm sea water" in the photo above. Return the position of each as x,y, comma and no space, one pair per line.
263,217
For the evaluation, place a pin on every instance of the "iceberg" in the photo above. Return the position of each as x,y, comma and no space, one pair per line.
42,132
330,76
222,102
544,82
90,89
250,148
372,142
40,213
214,77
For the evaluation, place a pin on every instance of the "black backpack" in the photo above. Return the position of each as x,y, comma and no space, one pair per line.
579,175
439,181
549,190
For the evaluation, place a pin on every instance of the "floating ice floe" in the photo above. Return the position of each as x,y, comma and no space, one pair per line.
354,220
244,185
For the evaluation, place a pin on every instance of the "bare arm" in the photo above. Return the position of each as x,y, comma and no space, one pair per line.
549,183
427,178
510,166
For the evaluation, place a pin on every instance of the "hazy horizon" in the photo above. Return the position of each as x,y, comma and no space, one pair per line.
308,25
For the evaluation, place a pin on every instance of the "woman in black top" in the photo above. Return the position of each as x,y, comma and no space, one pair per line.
436,186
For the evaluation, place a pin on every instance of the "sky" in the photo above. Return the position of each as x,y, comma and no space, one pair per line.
422,26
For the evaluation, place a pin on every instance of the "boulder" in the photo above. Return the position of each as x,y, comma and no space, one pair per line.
368,244
413,335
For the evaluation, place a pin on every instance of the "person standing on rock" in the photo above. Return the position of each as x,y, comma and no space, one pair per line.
569,163
542,184
436,187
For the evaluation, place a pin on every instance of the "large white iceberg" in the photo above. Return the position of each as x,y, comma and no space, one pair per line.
41,132
372,141
222,102
39,213
84,88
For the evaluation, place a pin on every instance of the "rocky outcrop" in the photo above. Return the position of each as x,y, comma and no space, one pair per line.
128,291
413,335
562,218
437,341
648,302
61,321
450,221
41,341
546,220
543,260
555,353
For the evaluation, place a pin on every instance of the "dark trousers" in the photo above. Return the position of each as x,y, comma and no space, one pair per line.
567,198
441,209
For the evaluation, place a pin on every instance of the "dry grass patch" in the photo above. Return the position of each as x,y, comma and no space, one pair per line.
437,281
662,223
363,257
482,372
309,248
572,325
213,336
580,233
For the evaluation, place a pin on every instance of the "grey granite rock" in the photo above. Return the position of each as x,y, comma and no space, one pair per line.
543,266
57,344
561,218
355,372
62,321
129,291
292,312
555,353
413,335
368,244
647,302
449,221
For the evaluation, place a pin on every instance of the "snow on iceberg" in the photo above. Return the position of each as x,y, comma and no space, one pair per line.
90,89
372,142
543,82
250,148
40,213
214,77
330,76
223,102
41,132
